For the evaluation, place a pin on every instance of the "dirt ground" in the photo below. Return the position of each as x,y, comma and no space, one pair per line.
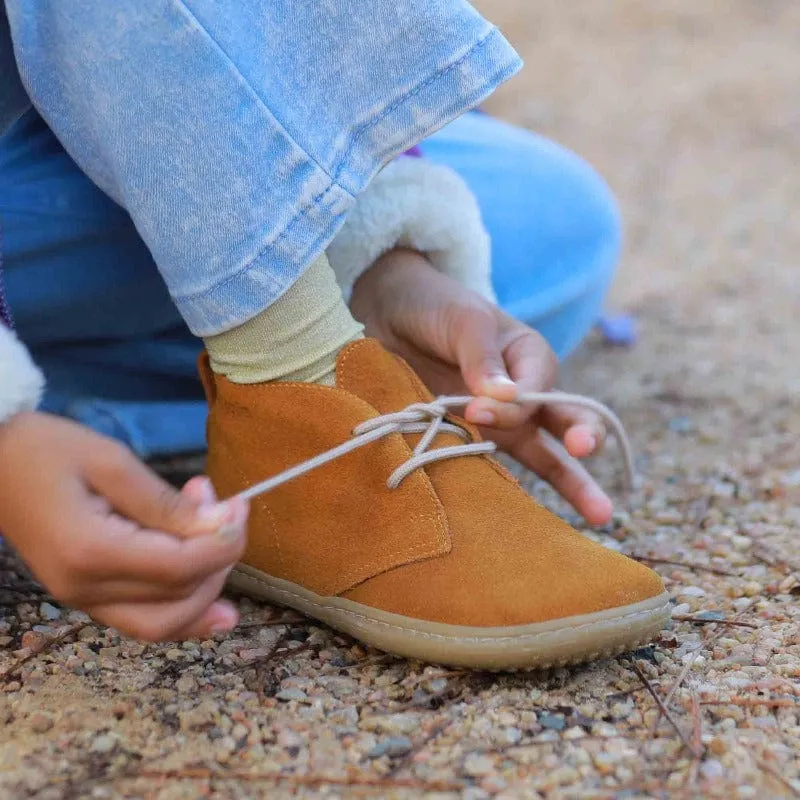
691,112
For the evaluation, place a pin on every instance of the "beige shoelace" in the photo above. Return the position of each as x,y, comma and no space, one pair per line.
429,420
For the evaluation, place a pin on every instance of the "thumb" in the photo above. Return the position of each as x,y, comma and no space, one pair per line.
480,355
138,493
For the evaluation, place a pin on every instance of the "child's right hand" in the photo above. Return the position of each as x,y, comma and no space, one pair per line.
105,534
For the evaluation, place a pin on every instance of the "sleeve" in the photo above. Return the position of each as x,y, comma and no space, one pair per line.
425,207
21,381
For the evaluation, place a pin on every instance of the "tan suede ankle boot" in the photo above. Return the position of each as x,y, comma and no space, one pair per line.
456,565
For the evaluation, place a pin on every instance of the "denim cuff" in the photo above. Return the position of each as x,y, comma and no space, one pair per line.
423,110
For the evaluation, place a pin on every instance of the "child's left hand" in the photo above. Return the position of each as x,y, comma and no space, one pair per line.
458,342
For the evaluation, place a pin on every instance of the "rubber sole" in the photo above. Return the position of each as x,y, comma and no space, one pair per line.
537,646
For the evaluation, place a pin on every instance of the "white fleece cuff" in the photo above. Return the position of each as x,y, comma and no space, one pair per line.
21,381
425,207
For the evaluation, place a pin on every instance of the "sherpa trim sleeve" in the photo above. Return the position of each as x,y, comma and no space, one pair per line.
425,207
21,381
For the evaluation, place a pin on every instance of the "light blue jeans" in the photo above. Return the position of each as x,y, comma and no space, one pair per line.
89,301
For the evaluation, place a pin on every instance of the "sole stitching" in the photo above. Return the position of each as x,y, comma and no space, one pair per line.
635,615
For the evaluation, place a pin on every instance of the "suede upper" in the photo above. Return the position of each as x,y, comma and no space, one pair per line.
459,542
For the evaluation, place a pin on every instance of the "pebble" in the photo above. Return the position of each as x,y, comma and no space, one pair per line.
287,695
691,591
104,743
40,722
476,765
49,611
35,642
553,722
711,769
391,723
393,747
186,684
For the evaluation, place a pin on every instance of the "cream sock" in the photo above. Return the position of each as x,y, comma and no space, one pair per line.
297,338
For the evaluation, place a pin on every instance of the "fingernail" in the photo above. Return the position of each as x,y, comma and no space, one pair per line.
592,442
503,380
221,627
483,418
207,491
227,619
215,516
229,530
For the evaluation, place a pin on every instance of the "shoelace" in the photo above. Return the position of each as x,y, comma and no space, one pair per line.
429,420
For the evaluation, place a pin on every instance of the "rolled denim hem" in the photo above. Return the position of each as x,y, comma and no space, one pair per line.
431,104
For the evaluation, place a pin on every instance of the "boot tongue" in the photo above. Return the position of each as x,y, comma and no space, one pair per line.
365,369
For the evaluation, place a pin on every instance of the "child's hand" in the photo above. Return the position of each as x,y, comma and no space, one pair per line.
105,534
457,342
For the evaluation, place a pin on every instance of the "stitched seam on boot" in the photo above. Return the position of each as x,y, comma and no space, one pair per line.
262,504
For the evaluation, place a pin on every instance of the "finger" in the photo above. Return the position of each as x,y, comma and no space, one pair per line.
136,492
548,459
581,430
494,414
532,366
105,592
222,616
115,548
480,356
159,622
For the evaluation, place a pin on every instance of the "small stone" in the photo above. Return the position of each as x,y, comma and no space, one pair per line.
174,654
681,609
711,616
553,722
712,770
49,611
33,641
393,747
477,765
104,743
692,591
40,722
88,634
287,695
391,723
186,684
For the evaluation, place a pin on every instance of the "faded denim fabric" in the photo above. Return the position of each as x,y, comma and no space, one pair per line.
237,133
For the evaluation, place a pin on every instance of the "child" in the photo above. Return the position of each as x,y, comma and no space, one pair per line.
240,141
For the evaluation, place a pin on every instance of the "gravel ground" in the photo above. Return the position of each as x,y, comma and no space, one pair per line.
690,110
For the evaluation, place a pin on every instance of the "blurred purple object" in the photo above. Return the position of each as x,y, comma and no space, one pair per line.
619,330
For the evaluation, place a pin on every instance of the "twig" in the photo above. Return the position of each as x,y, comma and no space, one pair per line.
685,671
276,655
774,560
59,638
767,702
685,564
697,729
353,779
664,710
774,773
697,743
701,621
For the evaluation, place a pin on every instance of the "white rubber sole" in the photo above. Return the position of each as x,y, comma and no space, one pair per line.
537,646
